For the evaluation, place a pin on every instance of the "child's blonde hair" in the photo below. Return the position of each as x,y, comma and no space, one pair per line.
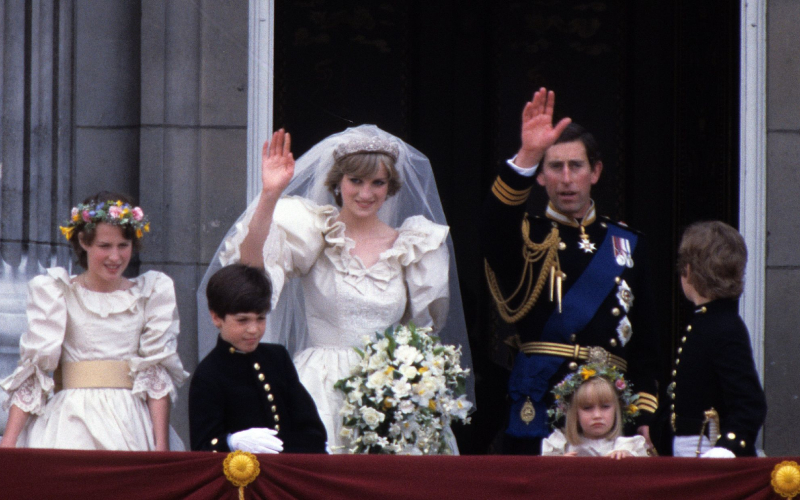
596,390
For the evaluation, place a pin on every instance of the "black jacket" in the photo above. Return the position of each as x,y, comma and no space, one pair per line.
714,368
233,391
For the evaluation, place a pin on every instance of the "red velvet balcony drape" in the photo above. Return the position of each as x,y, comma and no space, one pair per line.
41,474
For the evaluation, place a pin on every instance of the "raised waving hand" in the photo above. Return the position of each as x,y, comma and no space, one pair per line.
277,169
538,132
277,163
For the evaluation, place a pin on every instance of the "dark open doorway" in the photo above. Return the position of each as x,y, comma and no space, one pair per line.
657,82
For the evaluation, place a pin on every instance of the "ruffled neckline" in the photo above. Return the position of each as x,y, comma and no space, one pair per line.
106,303
416,237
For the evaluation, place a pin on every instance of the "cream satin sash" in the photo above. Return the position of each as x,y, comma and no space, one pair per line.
110,374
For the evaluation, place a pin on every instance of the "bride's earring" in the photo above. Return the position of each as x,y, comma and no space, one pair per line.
337,192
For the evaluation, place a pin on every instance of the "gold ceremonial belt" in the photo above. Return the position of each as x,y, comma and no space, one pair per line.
590,354
112,374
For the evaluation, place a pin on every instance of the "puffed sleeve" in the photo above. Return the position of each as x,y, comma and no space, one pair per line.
40,346
635,445
157,369
426,261
554,445
295,241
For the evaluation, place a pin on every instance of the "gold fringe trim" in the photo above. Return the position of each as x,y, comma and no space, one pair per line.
547,252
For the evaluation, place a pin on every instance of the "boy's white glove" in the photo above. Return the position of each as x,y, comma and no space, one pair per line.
718,452
256,440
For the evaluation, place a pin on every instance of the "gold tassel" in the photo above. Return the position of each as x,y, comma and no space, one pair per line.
547,252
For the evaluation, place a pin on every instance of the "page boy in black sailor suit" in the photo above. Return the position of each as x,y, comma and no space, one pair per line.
244,394
714,370
572,284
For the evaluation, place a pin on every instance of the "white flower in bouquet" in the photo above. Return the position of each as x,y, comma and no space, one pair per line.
406,406
435,364
371,416
409,372
407,354
404,394
378,361
380,378
347,408
354,396
402,336
401,388
370,438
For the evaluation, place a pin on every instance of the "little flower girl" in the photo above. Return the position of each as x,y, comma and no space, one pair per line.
595,402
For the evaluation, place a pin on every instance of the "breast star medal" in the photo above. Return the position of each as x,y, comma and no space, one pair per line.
586,245
527,413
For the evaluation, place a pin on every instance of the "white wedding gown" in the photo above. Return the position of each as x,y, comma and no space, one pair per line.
344,300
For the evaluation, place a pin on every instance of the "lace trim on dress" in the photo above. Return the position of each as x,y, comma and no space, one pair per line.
28,397
153,381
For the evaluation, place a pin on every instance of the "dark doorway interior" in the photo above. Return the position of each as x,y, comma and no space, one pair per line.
657,82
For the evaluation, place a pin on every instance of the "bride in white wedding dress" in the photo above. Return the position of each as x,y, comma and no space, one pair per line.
356,272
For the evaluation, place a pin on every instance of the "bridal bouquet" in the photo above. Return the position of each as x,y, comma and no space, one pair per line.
403,395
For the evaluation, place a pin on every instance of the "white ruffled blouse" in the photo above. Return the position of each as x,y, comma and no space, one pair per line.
69,323
344,299
556,444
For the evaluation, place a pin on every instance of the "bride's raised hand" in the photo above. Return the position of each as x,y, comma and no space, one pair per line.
277,163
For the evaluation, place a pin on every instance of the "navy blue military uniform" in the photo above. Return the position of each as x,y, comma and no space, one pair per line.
606,302
714,368
232,391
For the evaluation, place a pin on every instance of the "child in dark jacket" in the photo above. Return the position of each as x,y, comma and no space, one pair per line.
715,399
246,395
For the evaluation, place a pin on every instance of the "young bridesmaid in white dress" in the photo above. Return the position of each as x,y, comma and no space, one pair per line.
595,402
108,341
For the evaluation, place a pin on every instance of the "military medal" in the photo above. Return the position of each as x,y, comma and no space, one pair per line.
586,245
527,413
622,251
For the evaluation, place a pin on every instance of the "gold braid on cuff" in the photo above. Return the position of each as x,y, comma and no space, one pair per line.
528,289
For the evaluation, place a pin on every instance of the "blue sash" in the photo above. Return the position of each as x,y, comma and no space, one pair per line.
531,374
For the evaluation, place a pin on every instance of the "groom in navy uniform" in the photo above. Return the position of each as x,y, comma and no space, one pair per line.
572,284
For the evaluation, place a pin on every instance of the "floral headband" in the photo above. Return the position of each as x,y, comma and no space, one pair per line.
567,388
118,213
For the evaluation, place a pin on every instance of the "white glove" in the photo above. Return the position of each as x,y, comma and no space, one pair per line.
718,452
256,440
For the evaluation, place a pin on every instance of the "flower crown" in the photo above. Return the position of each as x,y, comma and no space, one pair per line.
366,145
118,213
569,386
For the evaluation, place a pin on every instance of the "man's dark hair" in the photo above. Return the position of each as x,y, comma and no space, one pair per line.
238,289
575,132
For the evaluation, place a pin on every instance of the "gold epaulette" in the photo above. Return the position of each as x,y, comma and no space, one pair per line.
530,289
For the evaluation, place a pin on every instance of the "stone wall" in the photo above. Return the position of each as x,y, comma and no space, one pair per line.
144,97
782,349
